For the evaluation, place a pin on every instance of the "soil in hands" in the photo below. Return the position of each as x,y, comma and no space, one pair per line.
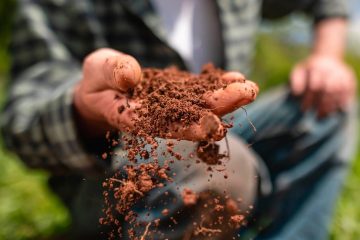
170,101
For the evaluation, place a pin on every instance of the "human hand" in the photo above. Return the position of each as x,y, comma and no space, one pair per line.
325,84
109,74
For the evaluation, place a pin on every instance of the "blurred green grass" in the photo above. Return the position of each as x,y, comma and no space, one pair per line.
28,210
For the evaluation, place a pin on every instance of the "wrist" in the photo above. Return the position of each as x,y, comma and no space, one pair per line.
319,53
326,55
329,38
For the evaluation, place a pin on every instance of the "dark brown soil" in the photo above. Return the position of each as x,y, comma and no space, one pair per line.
209,153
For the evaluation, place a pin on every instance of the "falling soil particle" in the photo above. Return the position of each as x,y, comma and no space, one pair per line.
189,197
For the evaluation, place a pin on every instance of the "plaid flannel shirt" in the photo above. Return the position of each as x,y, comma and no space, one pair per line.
52,37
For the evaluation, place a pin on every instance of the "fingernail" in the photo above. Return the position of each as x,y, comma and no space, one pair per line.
127,73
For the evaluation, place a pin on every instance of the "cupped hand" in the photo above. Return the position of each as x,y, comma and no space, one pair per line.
108,74
326,84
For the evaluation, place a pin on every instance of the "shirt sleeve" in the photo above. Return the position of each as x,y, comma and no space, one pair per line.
322,9
318,9
37,121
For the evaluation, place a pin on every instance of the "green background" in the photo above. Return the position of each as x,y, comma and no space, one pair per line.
28,210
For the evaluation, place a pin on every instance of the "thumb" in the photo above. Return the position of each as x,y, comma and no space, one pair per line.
297,80
110,69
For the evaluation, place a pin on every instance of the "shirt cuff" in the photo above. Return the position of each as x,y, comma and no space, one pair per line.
324,9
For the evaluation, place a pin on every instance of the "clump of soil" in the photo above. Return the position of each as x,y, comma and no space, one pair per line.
209,153
189,197
172,96
171,102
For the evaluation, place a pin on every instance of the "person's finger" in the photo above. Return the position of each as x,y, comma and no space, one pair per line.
330,104
123,71
348,90
312,89
329,97
307,100
208,127
298,80
315,81
108,68
228,99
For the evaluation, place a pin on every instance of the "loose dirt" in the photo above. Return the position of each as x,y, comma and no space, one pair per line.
172,106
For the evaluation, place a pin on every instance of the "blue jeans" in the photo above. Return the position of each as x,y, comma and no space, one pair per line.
305,161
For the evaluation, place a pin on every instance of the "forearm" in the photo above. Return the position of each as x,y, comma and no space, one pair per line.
330,37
